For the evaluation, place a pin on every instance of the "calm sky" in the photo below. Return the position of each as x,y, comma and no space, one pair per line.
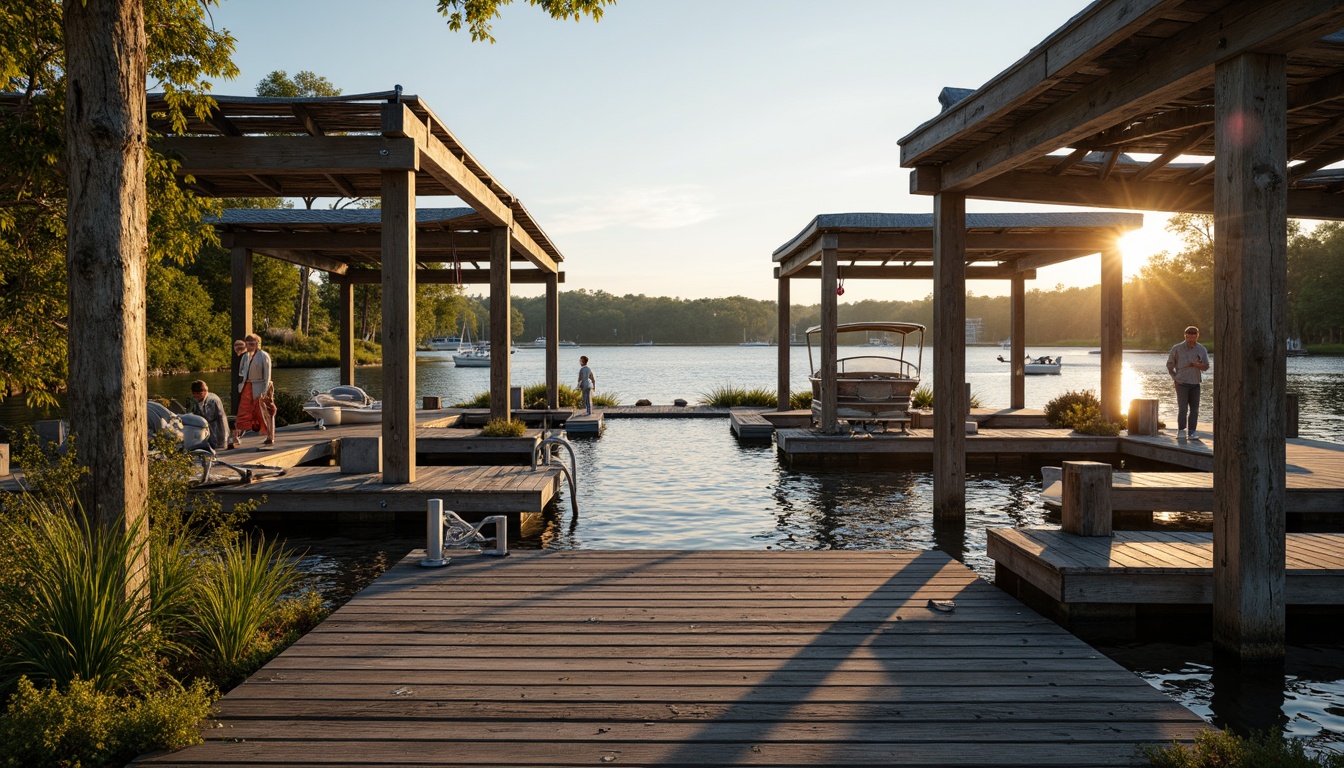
671,147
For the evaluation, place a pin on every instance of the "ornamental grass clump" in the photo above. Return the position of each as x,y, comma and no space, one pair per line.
534,396
1066,410
728,396
922,397
1222,749
801,400
503,428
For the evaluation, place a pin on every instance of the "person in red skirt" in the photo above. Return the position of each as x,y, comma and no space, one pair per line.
256,406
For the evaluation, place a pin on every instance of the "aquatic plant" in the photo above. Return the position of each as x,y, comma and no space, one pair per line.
534,396
729,396
80,725
503,428
1224,749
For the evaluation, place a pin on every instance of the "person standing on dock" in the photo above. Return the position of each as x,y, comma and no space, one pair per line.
587,381
256,383
1186,362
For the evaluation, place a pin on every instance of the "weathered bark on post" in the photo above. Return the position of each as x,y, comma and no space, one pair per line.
398,326
553,340
106,253
1112,332
501,284
949,356
1086,498
346,334
1250,318
782,325
240,318
830,314
1018,343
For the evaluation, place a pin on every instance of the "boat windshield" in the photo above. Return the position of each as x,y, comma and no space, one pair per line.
884,348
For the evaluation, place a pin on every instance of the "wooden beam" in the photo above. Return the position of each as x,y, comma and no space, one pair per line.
1301,170
343,183
425,240
399,120
1034,262
1175,150
1181,119
830,314
552,340
1098,28
305,119
1250,322
926,271
949,358
1112,157
1018,344
1310,140
346,332
1112,332
306,259
277,155
1308,95
1073,158
501,342
452,276
801,258
1182,65
1199,174
782,338
398,206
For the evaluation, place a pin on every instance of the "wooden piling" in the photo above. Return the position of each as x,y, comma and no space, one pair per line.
1087,498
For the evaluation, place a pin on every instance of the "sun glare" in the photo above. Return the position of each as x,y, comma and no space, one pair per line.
1141,244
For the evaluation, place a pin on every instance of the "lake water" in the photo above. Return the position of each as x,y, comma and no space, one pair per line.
688,484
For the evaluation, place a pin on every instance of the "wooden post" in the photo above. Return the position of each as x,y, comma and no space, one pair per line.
949,356
1142,417
553,340
830,314
106,255
501,284
347,332
398,326
782,333
1112,332
1086,498
240,313
1250,283
1018,343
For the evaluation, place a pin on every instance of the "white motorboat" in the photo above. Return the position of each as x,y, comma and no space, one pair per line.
344,404
540,343
479,357
873,385
444,343
1040,366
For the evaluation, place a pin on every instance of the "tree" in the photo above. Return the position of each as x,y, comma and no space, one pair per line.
303,84
109,55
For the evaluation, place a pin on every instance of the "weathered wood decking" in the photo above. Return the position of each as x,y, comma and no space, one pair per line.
1154,567
556,658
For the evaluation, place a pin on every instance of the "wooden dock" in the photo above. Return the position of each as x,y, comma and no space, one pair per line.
555,658
1151,567
322,494
750,425
585,424
804,445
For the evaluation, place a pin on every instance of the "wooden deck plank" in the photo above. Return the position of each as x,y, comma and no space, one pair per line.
708,658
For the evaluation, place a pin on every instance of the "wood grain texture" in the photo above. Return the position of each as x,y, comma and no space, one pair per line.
687,658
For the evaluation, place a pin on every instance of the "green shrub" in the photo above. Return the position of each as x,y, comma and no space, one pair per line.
503,428
728,396
1098,426
1071,407
1220,749
801,400
78,725
289,408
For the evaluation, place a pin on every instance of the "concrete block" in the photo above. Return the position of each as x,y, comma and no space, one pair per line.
972,428
4,459
361,455
433,403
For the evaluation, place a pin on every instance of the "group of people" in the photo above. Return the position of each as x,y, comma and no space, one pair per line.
255,406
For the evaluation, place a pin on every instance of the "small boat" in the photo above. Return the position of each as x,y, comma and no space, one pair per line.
444,343
1040,366
873,385
344,404
540,343
755,344
1295,348
643,343
478,357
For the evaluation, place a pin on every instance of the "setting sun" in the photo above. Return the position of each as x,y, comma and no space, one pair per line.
1141,244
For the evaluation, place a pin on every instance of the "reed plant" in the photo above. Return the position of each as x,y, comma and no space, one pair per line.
503,428
801,400
729,396
534,396
922,397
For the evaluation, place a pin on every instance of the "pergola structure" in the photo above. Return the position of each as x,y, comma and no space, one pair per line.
1253,90
385,145
999,246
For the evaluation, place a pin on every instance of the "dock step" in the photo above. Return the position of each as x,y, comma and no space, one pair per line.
579,424
750,425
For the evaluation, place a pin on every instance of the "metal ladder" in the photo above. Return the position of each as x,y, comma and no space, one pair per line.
543,454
